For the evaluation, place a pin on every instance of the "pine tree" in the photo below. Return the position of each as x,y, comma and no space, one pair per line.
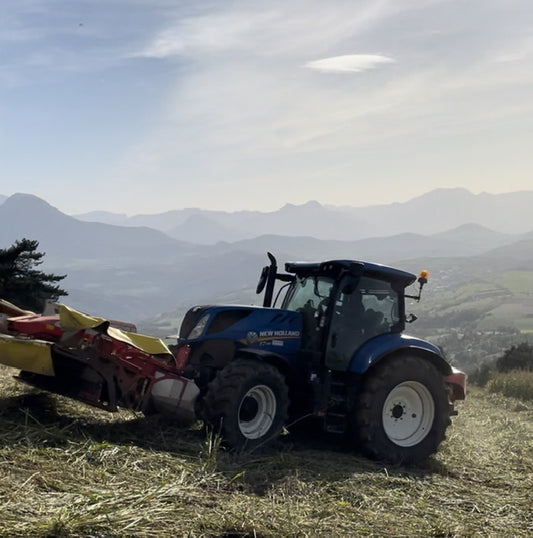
21,282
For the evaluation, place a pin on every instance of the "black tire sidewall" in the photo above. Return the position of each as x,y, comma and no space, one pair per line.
227,392
369,430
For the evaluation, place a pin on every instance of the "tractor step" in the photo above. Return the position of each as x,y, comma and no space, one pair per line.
335,419
335,423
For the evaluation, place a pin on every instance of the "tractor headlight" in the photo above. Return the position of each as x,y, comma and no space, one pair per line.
199,328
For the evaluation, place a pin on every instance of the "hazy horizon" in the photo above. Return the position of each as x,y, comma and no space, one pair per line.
268,210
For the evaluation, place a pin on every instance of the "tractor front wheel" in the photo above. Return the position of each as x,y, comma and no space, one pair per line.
402,411
246,403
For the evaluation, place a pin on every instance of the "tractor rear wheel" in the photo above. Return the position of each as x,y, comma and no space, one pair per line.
402,411
246,403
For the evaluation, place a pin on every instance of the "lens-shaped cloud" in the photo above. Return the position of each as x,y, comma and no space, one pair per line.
354,63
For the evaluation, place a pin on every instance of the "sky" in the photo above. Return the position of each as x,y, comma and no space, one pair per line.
137,106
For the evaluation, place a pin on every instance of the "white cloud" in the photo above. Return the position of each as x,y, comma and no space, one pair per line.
349,63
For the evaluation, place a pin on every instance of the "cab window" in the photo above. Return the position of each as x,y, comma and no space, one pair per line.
364,308
310,296
307,291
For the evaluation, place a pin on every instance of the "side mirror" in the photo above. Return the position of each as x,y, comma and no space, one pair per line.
410,318
262,280
270,279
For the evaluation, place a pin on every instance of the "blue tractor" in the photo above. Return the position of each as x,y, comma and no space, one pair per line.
335,349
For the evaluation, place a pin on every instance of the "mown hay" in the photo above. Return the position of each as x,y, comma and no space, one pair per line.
69,470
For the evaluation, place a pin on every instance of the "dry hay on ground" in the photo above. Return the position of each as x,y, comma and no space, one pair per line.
69,470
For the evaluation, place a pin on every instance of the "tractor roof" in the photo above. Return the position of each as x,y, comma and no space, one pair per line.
336,268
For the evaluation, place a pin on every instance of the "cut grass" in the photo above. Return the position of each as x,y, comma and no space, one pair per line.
69,470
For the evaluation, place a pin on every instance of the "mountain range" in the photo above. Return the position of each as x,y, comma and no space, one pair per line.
133,268
435,212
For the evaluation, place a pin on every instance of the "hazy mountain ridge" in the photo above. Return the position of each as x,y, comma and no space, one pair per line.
198,227
443,209
435,212
467,240
209,227
134,273
64,237
111,270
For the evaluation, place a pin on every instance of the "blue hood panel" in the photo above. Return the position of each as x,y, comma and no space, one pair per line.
268,329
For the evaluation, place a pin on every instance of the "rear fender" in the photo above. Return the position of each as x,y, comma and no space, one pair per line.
385,345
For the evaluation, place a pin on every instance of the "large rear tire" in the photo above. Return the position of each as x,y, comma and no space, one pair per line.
246,403
402,411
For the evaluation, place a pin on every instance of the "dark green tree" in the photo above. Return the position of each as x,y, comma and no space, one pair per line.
21,282
518,357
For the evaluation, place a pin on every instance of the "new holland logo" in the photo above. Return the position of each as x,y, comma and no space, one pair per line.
270,338
264,335
251,338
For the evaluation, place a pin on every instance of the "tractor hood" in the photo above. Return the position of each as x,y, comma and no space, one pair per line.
269,329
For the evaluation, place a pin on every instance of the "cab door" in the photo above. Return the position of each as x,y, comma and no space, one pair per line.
364,307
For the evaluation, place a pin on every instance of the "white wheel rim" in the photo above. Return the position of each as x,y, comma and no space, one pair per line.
257,411
408,413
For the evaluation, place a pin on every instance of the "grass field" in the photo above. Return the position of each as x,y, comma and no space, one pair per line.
69,470
516,383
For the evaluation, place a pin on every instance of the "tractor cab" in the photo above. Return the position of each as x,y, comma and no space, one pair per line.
343,304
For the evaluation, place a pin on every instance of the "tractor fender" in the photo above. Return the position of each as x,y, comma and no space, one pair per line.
376,349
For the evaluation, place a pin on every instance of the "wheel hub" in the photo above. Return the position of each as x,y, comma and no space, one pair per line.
249,409
397,411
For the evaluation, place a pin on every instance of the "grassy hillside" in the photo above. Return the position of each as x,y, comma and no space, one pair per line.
476,320
69,470
485,305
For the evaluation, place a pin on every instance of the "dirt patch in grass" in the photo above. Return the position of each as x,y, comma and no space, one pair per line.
69,470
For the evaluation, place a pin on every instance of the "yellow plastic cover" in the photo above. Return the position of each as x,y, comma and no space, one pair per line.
148,344
29,355
71,319
35,355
